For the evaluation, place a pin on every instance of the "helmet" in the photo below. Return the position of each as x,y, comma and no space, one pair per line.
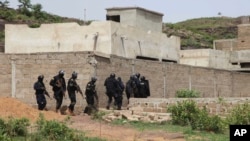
40,78
112,75
143,78
93,79
74,75
119,79
131,77
137,75
61,73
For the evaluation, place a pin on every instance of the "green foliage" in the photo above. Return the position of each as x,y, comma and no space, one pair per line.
98,115
54,130
14,127
7,14
17,127
202,121
4,3
200,33
183,112
239,115
184,93
34,25
187,113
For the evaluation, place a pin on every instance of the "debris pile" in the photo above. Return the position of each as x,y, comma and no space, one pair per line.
12,107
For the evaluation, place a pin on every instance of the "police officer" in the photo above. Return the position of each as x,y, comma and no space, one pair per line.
91,96
136,85
120,89
59,88
72,88
111,85
131,87
144,88
41,91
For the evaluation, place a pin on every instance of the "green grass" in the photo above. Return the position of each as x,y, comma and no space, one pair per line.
190,135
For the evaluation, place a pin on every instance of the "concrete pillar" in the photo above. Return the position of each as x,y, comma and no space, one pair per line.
13,78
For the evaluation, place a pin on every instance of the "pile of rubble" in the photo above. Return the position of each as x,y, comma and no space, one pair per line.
137,115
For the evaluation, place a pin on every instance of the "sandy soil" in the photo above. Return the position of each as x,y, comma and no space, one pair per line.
11,107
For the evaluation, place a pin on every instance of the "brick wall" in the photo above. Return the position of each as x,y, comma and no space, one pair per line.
217,106
19,72
243,37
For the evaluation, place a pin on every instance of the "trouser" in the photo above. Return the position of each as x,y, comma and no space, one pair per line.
41,105
118,101
72,97
59,100
41,101
110,97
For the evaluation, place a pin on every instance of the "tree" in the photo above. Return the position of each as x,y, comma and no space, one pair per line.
25,6
37,11
4,4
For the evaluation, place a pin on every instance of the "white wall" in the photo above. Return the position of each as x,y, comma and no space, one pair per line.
70,37
206,58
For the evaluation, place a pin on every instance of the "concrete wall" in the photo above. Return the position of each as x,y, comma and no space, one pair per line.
127,17
138,17
216,106
149,21
20,71
105,38
66,37
207,58
225,44
243,37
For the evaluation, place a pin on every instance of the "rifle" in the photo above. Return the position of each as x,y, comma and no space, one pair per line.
78,89
47,93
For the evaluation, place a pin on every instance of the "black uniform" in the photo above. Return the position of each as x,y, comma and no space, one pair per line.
111,85
120,89
136,85
144,88
72,88
91,95
40,93
59,88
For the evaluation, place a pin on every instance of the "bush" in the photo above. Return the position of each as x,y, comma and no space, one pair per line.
14,127
54,130
17,127
202,121
183,112
187,94
240,115
188,113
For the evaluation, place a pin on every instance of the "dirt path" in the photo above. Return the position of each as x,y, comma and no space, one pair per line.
120,133
11,107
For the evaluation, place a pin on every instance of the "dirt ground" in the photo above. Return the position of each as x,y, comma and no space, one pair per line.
11,107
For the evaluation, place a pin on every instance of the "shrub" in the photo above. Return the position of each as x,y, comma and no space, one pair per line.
202,121
53,130
239,115
17,127
183,112
187,93
98,115
188,113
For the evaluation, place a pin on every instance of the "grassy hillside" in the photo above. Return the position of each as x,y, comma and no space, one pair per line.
194,33
200,33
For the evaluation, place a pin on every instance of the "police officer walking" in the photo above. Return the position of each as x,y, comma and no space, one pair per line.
59,88
72,88
111,85
91,96
41,91
118,99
